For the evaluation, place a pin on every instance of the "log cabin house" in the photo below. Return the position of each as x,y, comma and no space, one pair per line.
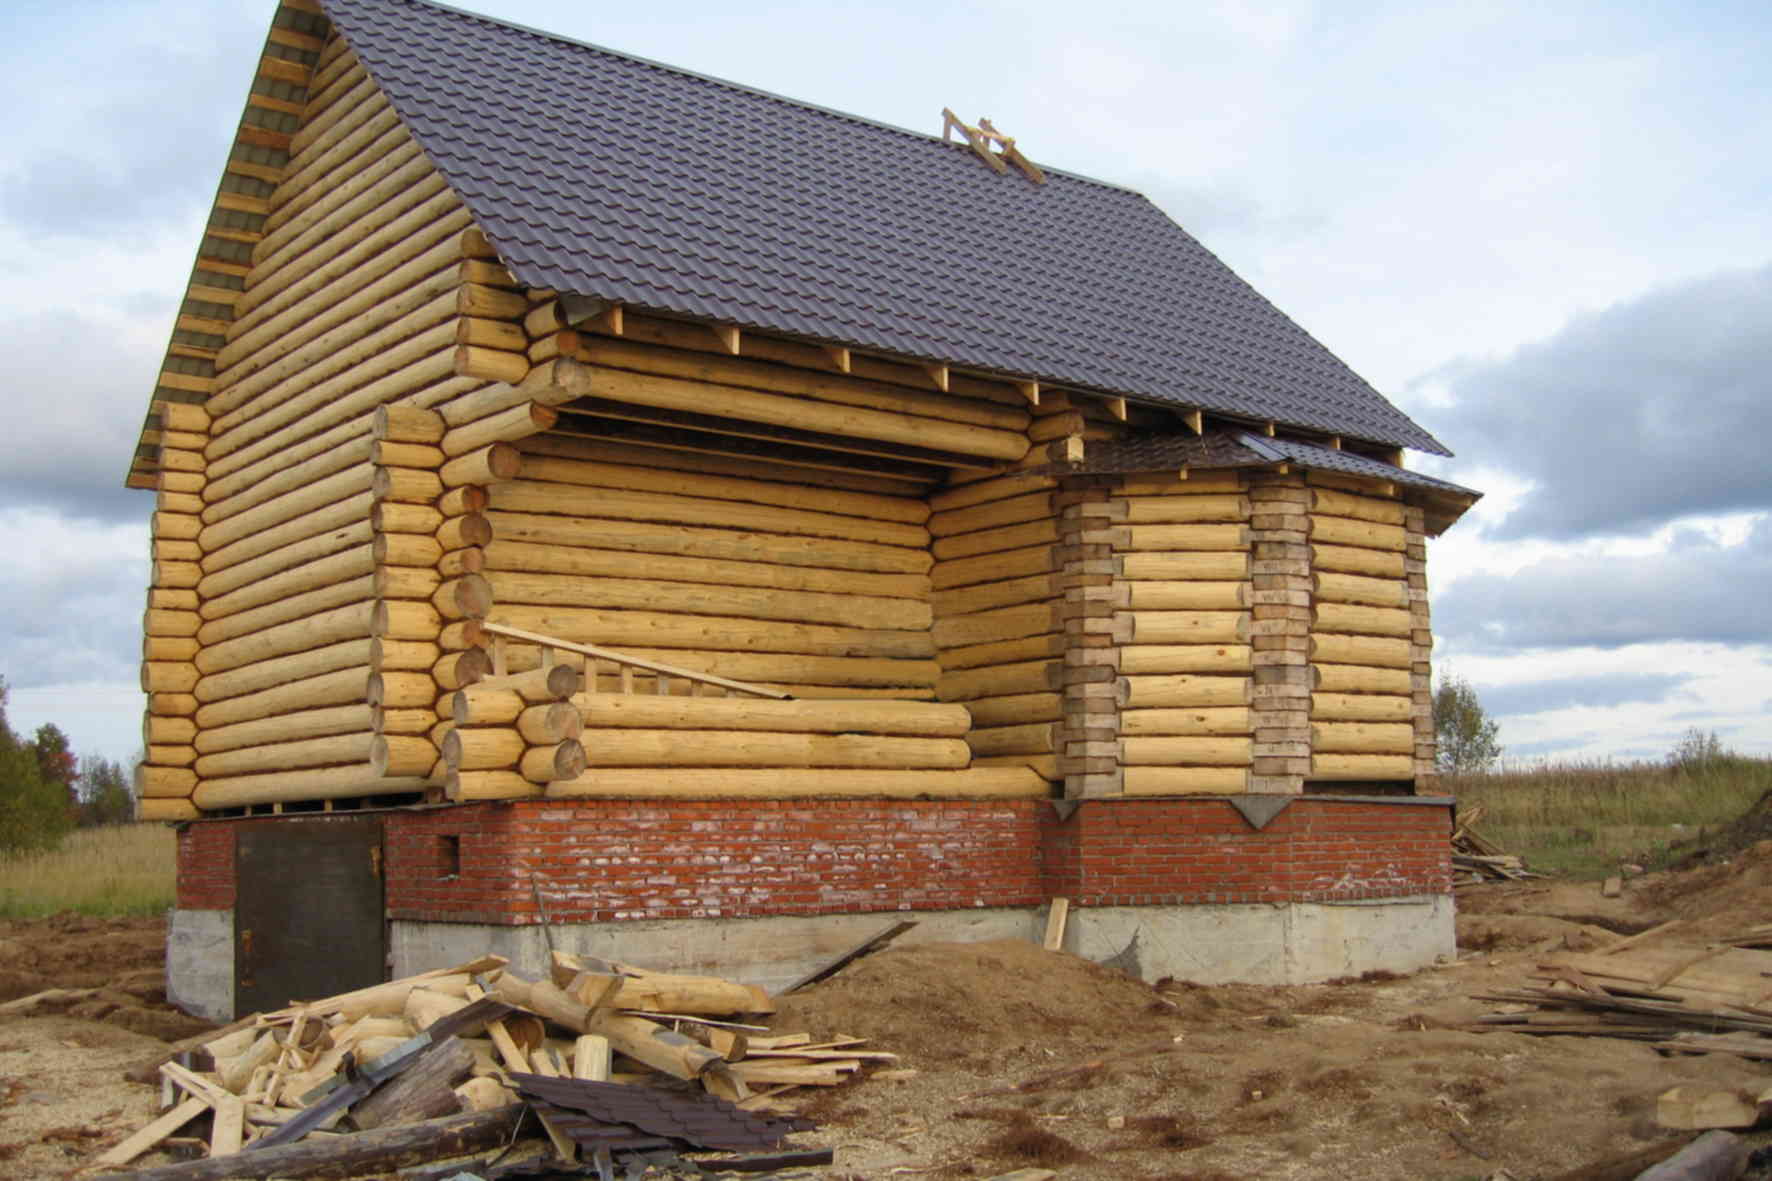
601,501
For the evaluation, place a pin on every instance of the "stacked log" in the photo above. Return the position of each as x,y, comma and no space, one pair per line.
999,629
166,779
1183,600
1281,590
1090,735
1421,642
511,735
1363,635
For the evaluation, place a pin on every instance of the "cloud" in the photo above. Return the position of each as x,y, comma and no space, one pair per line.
1534,697
1653,410
1697,590
72,596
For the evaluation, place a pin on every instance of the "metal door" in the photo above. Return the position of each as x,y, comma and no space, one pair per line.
308,912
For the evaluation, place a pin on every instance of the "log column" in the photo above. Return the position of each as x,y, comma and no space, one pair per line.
1090,734
1280,506
1421,641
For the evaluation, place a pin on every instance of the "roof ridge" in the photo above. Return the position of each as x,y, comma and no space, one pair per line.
846,116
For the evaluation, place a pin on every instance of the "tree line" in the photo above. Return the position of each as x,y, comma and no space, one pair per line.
46,792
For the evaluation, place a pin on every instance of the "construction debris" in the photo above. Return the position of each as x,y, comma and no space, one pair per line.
1476,859
606,1059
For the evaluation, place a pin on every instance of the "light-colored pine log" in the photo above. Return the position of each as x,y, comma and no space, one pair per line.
1353,678
406,484
546,764
1221,720
1000,652
313,603
1185,627
497,398
164,782
1206,567
1147,660
757,748
1185,538
1182,692
403,721
169,575
483,748
486,705
493,365
409,425
1009,680
167,810
174,526
607,711
170,649
511,587
1186,752
401,756
407,455
1187,596
467,597
1352,588
162,598
1021,709
463,786
1383,767
490,464
689,541
312,752
1361,620
1183,510
405,582
287,558
1365,534
319,783
1362,738
519,422
300,459
461,501
157,731
995,541
397,619
306,527
1045,766
1360,707
171,756
1028,739
1365,508
544,725
469,532
330,571
349,622
789,783
504,557
499,335
400,690
539,686
1355,560
342,687
625,629
991,627
479,300
160,622
1375,651
172,705
290,727
389,655
992,595
393,517
994,514
168,677
1181,781
174,551
1009,564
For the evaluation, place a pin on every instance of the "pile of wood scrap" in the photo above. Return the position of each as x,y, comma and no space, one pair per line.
1681,998
479,1045
1476,859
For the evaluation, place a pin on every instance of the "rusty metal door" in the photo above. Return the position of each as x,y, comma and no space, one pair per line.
308,915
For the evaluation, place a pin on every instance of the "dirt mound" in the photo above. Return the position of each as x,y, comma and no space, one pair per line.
124,959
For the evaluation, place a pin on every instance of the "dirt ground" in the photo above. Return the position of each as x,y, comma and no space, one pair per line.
1119,1080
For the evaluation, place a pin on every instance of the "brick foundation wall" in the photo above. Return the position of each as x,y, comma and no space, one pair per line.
615,860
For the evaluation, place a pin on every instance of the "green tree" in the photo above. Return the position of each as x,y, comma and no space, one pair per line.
1465,733
56,762
105,797
34,814
1697,750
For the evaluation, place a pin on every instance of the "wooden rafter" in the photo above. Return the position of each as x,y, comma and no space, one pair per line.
980,139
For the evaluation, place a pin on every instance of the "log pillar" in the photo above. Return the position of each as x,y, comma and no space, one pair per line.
1089,733
407,459
1421,640
1281,598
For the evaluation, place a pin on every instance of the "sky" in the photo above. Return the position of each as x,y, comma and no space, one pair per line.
1540,229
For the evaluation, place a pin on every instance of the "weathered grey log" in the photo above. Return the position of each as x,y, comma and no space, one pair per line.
348,1156
425,1090
1714,1156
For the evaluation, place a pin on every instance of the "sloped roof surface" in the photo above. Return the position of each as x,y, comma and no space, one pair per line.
606,175
1231,449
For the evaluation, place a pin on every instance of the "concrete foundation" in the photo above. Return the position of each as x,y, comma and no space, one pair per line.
200,963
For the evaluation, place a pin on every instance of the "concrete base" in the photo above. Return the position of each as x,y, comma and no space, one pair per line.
1288,943
200,963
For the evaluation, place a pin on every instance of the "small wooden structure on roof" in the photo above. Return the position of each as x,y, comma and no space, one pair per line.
545,424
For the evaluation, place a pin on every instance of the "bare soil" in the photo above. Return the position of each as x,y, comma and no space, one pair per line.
1028,1058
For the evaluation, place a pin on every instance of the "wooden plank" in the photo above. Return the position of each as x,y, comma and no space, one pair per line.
150,1135
1055,923
865,947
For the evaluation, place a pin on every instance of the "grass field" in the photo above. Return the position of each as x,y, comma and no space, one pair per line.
124,869
1584,819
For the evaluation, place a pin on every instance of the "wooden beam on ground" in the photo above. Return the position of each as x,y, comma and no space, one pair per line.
865,947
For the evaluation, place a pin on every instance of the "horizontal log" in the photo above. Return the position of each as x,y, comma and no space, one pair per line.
486,704
1207,567
1353,678
469,532
509,562
400,690
173,649
790,783
313,603
173,575
164,598
1182,692
1362,738
341,687
507,426
400,756
467,597
157,731
983,491
1036,738
475,299
406,484
990,627
313,752
1327,587
403,721
995,541
512,588
1360,707
1358,619
1379,767
411,425
1145,660
988,568
397,619
1182,510
770,669
319,783
491,364
312,524
1008,680
1188,539
160,622
606,711
349,622
168,676
388,516
1364,534
172,704
1376,651
1329,503
627,629
330,571
1184,781
1355,560
538,686
994,514
1187,596
483,748
289,727
543,725
389,655
484,465
1184,627
1000,652
1020,709
345,536
164,782
689,541
1187,752
557,761
1045,766
540,465
405,582
176,755
1198,721
989,596
759,748
166,810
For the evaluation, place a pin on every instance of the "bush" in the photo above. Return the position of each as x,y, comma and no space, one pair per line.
34,812
1464,732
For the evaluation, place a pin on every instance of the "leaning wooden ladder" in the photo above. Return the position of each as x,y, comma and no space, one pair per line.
699,683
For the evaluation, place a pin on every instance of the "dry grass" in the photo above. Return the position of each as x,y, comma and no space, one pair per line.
124,869
1585,818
